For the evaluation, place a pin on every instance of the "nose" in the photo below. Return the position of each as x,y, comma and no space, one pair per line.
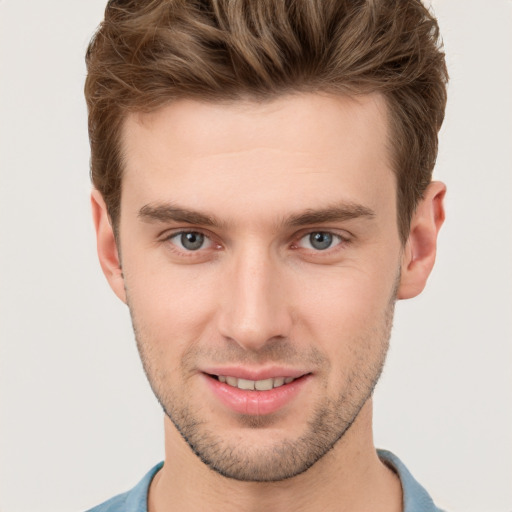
255,309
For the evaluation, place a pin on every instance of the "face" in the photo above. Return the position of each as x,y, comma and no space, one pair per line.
260,261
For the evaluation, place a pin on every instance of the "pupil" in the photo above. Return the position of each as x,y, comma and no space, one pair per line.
192,241
320,240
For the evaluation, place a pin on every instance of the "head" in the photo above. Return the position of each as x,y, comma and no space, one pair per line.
148,54
263,172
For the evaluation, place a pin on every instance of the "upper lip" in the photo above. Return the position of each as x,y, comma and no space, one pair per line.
255,374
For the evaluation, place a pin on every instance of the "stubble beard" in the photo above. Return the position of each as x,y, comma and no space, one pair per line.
330,420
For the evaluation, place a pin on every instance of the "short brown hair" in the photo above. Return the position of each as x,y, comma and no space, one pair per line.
148,53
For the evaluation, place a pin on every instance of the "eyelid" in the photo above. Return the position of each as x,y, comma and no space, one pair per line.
169,233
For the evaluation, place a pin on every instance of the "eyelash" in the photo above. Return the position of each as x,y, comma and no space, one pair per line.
342,242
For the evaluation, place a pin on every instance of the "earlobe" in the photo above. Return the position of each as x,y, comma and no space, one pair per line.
420,251
106,244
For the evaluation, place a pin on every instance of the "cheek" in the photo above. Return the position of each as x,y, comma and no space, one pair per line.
342,307
172,305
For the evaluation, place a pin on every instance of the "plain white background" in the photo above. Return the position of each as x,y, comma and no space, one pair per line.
78,421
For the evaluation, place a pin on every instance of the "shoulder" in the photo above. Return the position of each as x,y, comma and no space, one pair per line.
115,504
415,497
134,500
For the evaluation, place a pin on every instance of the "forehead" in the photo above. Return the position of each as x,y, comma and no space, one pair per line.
291,151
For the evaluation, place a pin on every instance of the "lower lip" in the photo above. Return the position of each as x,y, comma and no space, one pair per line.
256,403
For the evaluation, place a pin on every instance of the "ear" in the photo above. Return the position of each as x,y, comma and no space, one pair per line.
107,246
420,250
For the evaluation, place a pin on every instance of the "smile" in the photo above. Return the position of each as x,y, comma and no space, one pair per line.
255,385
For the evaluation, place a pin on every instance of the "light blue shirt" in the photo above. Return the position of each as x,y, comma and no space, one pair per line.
415,497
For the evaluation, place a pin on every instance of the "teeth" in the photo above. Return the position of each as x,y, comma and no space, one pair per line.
232,381
245,384
263,385
259,385
278,381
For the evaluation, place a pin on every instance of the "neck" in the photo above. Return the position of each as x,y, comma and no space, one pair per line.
348,478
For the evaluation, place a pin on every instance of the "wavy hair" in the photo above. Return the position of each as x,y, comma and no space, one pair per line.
146,54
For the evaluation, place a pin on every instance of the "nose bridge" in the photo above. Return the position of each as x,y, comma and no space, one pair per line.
254,310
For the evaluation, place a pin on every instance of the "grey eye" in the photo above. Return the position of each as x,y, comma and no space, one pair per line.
320,240
191,241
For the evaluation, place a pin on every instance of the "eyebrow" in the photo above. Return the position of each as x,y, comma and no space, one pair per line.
345,211
169,212
172,213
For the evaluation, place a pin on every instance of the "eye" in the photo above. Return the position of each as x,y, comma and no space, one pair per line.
190,240
319,240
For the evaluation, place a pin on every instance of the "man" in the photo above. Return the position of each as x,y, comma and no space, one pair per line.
262,197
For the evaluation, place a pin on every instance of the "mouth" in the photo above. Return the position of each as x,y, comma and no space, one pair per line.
266,393
254,385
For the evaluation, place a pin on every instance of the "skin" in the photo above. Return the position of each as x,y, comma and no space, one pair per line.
257,296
